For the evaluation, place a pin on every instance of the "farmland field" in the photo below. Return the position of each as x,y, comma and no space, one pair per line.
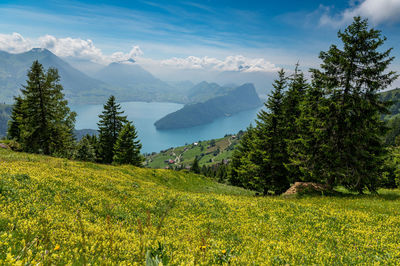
56,211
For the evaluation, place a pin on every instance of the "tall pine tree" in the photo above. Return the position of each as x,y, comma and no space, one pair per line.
16,118
294,96
127,148
237,175
195,168
350,79
110,125
260,164
308,152
41,120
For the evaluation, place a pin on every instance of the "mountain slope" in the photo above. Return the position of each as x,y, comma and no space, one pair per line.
205,91
61,212
128,74
394,97
78,87
140,84
239,99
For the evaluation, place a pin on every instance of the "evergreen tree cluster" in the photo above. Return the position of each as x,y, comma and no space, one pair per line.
117,141
328,130
41,120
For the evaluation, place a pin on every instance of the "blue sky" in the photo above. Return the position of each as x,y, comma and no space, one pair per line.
280,32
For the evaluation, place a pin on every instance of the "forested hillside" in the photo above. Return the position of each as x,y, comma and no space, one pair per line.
239,99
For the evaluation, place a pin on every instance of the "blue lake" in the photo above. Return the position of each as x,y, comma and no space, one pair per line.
145,114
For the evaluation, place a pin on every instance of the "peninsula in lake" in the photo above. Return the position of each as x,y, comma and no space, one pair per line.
235,100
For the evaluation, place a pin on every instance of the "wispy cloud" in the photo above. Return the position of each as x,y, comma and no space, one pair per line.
230,63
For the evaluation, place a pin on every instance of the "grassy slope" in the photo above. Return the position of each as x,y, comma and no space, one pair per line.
58,211
206,156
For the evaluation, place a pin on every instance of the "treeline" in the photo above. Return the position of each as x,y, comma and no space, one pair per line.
327,130
41,122
5,110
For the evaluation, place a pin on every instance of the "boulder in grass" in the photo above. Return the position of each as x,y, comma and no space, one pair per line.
306,188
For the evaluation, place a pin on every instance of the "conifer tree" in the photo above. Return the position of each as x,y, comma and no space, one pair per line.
350,79
297,87
127,147
16,118
260,161
307,152
110,125
85,150
195,168
43,122
270,143
237,175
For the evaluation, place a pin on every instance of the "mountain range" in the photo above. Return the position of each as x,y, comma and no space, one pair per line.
86,82
125,80
78,86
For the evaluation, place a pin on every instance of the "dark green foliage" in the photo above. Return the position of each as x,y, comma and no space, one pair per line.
293,99
236,175
260,161
393,132
127,148
308,152
16,118
219,171
110,124
195,168
330,131
85,151
346,143
212,143
391,168
5,111
41,119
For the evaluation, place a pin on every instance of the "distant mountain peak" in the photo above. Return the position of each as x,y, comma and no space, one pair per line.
39,50
125,62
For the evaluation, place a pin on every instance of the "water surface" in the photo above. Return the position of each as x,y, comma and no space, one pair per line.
145,114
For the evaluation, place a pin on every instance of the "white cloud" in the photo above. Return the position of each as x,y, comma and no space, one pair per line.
65,47
85,49
377,11
134,53
14,43
230,63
